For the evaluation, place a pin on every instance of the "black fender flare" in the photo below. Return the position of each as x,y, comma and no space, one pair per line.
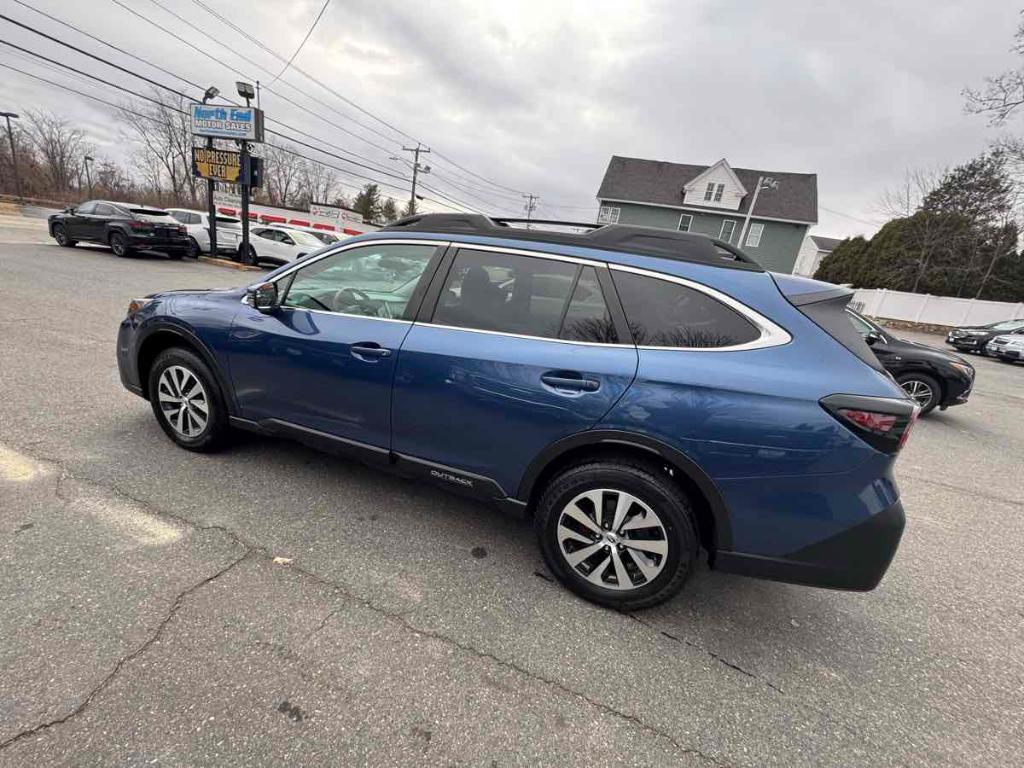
612,437
194,342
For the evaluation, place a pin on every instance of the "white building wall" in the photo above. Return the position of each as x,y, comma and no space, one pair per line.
731,196
808,258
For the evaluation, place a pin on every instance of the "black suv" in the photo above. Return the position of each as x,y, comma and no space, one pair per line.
974,338
125,227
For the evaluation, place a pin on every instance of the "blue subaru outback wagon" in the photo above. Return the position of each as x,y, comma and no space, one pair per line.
642,393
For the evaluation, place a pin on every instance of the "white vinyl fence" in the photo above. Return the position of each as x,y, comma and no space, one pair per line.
933,310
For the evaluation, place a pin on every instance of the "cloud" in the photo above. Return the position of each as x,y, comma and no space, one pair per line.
537,95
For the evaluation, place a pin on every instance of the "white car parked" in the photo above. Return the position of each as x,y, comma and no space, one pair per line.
324,236
279,244
1009,348
229,231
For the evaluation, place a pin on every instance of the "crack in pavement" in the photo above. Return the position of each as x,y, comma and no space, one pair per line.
962,491
395,616
109,678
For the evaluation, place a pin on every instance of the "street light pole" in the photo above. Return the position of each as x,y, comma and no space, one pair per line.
247,92
88,176
14,159
763,182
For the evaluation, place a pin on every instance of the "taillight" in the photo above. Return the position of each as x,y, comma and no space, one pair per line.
138,224
882,422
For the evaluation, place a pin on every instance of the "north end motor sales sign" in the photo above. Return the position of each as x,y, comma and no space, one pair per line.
227,122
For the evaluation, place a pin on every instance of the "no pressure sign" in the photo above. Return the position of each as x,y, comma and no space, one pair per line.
217,164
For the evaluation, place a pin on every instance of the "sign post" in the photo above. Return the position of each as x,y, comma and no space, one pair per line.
211,209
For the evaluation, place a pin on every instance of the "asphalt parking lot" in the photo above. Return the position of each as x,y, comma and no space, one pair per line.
270,604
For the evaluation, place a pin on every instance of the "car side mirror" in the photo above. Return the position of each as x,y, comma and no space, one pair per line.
69,209
872,338
264,298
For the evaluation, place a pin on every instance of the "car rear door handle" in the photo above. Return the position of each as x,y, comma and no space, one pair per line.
573,382
369,350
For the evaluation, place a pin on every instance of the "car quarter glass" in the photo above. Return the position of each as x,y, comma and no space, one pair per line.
661,313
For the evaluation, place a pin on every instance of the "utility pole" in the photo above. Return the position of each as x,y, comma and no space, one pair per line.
763,182
416,170
247,92
530,207
14,159
88,176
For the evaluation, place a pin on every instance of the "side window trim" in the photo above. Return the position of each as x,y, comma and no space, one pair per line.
568,300
771,334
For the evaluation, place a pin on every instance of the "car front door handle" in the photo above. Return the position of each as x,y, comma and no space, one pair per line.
572,382
369,350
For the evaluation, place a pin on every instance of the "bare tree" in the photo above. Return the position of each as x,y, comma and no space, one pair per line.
902,199
162,133
60,149
283,173
319,182
1002,94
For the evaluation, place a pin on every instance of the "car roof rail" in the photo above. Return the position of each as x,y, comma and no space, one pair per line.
629,238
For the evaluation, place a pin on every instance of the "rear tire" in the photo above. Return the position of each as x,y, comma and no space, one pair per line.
644,560
194,250
118,244
923,389
60,234
187,400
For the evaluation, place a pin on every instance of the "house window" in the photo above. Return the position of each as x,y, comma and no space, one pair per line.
710,191
727,229
685,220
718,192
754,235
608,215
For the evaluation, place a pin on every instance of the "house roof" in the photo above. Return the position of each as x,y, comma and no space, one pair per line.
827,244
661,183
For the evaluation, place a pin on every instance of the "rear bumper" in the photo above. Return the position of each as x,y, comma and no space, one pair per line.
855,559
158,243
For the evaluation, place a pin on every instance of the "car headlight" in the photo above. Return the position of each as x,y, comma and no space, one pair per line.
135,305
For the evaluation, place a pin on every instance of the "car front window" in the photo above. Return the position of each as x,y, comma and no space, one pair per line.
373,281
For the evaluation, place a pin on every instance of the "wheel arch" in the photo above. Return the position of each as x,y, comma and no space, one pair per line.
167,336
712,514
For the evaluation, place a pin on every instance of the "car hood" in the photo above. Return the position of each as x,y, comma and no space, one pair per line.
919,350
228,292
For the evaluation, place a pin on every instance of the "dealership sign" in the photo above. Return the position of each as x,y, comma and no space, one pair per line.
217,164
335,212
227,122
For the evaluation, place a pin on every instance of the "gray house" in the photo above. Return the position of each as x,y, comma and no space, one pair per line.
715,200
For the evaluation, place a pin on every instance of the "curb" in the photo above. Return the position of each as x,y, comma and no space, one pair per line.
229,264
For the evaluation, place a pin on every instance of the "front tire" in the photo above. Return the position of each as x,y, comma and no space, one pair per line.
187,401
922,389
617,532
118,244
60,234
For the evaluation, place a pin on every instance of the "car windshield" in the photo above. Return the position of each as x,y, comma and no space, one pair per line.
304,238
149,211
1006,325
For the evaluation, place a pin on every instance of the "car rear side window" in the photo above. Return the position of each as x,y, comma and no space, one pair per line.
524,295
661,313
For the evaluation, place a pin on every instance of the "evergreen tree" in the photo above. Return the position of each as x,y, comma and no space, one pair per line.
389,210
367,202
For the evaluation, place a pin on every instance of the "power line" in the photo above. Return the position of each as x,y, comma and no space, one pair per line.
144,116
848,216
310,32
185,96
348,101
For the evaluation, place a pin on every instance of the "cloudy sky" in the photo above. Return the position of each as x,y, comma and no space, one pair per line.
535,96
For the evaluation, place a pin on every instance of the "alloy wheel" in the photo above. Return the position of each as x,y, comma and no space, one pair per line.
60,235
612,539
117,245
919,391
183,401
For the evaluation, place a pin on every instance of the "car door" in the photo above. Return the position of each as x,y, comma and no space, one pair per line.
520,350
323,363
77,222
